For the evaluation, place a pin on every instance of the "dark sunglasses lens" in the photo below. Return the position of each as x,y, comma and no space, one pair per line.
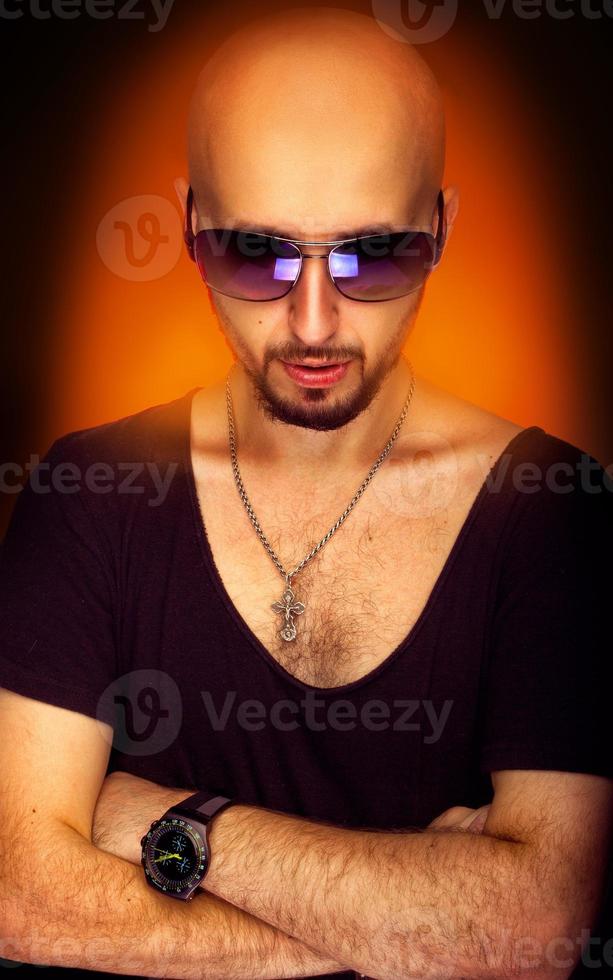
383,266
246,265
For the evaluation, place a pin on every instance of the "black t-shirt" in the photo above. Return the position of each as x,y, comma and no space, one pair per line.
111,605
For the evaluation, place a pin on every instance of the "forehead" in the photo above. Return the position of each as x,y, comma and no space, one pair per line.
317,177
293,200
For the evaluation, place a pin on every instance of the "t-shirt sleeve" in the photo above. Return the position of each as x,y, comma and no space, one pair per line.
547,684
57,593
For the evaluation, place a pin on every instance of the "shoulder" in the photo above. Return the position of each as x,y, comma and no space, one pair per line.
473,434
477,435
538,477
148,435
108,470
559,505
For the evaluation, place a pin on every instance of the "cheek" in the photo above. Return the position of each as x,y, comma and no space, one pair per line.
404,318
233,320
246,329
221,310
385,328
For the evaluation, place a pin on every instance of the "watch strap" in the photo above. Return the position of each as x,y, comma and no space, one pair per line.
202,805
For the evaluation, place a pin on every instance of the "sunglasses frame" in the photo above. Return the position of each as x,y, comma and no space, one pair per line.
438,241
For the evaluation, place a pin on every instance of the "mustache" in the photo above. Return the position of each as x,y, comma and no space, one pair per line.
293,353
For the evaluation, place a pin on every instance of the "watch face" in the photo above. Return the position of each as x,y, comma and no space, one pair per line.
174,855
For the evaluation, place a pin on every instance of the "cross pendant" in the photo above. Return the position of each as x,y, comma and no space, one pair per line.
290,608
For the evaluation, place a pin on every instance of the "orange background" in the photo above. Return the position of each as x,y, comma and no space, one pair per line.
499,324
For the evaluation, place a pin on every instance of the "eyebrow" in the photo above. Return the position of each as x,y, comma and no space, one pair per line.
341,235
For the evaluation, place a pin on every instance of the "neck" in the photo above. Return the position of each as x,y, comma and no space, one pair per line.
291,448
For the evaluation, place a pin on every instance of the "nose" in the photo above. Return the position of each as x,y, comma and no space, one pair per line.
313,302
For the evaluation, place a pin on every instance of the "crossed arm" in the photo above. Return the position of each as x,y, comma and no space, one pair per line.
508,901
286,896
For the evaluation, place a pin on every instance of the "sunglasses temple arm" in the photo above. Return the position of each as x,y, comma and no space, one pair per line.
188,233
441,231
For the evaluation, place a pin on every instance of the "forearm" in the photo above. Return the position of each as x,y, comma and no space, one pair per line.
67,903
405,904
392,905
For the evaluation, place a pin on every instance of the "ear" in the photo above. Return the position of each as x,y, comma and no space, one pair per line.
181,188
452,205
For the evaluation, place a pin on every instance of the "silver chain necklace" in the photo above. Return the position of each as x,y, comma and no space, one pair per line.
287,605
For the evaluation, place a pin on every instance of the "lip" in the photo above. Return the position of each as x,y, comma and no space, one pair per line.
316,376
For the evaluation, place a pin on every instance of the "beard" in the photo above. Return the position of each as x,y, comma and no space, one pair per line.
318,408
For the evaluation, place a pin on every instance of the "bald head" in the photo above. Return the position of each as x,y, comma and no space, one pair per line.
315,121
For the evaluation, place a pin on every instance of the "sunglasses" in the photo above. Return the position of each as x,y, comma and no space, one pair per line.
259,267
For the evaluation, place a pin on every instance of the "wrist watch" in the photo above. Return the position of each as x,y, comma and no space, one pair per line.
175,850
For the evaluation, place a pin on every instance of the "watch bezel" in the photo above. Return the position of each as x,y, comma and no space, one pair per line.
183,888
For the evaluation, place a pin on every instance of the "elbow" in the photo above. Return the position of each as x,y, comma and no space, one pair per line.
11,927
25,907
22,917
542,950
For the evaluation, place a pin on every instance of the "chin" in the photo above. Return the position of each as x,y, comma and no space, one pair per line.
314,408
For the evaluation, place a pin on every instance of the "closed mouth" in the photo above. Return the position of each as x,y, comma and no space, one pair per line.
317,366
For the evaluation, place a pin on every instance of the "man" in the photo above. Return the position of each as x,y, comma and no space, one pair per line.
356,695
